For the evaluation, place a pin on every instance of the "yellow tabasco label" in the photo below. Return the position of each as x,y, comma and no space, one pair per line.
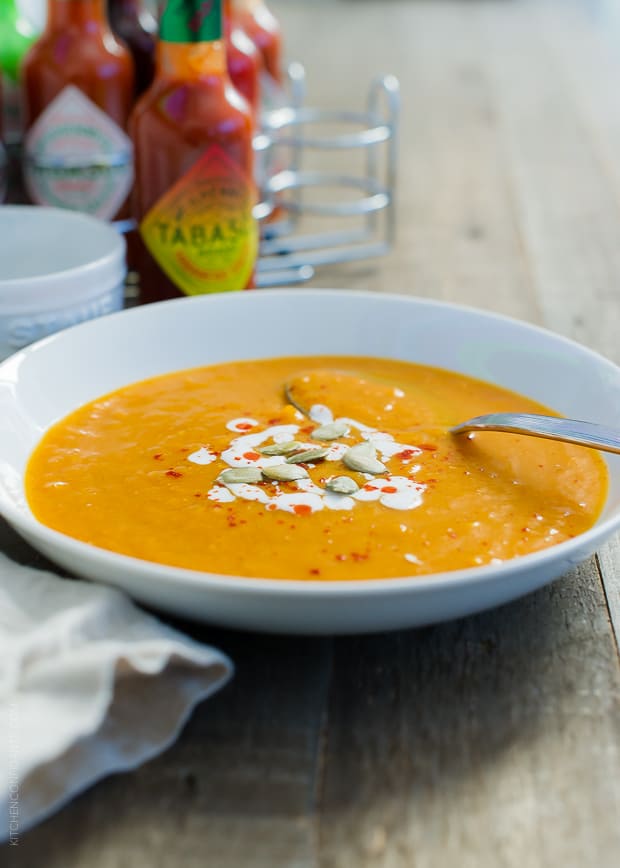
202,232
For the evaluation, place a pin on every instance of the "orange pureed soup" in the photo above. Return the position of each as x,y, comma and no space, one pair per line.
195,469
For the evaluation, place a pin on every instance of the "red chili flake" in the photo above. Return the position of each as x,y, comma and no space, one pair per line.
302,509
341,557
159,456
271,506
315,572
369,487
274,421
198,494
389,489
358,556
427,447
308,429
243,426
405,454
174,473
251,456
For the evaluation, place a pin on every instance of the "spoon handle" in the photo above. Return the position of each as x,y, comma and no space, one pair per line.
554,428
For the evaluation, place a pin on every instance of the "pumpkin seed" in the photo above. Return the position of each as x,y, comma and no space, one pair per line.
342,485
239,474
280,448
307,455
365,448
362,457
331,431
285,472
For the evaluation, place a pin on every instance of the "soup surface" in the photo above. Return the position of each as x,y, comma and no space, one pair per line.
195,468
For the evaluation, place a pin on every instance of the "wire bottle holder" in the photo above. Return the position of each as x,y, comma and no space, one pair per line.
365,225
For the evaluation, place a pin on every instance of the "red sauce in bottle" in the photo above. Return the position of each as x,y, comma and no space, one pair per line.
264,30
243,59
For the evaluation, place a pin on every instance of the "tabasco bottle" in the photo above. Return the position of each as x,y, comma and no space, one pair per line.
78,90
243,58
194,189
132,22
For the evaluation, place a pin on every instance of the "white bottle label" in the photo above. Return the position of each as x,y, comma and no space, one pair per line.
76,157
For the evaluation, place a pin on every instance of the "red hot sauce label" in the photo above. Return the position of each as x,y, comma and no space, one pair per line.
202,232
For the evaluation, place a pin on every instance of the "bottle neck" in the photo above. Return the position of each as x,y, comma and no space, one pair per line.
191,60
81,13
187,21
191,39
227,17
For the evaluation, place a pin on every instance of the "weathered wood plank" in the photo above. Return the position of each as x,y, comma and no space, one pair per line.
489,741
567,208
457,237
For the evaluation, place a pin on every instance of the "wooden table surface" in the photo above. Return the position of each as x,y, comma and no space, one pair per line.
489,741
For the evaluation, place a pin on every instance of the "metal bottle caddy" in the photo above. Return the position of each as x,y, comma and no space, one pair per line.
359,227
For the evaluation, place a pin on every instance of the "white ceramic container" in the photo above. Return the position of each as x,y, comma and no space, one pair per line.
57,268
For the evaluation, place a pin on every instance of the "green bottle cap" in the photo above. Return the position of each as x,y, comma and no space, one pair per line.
191,21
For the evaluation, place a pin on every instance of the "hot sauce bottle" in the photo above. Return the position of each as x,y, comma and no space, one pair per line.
264,30
243,58
132,22
78,89
194,189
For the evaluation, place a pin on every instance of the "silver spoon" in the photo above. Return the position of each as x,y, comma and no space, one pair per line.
533,424
551,427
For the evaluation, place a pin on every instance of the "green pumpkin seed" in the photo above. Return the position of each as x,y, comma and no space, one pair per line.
285,472
280,448
362,457
342,485
331,431
240,474
307,455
